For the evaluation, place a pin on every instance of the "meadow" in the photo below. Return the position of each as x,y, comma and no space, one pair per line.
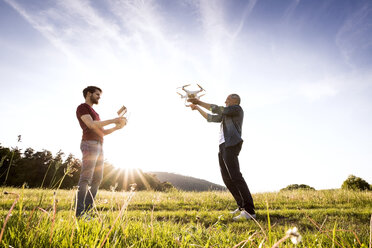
45,218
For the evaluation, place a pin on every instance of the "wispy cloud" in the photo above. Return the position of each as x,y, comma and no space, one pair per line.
135,31
38,24
356,34
218,34
290,10
132,31
315,91
247,11
73,27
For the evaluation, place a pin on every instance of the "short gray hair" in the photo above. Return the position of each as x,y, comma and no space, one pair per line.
236,97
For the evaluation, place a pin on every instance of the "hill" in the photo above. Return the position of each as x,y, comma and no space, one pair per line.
187,183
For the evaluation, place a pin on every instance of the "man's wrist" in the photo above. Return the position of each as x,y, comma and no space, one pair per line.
117,127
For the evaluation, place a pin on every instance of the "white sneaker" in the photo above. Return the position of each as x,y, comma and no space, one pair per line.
244,215
86,217
235,211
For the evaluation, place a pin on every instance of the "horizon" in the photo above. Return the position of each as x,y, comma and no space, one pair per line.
137,172
302,70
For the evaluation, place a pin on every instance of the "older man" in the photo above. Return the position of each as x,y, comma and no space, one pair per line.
231,119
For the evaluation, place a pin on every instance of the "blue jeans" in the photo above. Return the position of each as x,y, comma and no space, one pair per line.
91,175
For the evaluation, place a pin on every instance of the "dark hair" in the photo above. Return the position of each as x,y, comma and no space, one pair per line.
90,89
236,97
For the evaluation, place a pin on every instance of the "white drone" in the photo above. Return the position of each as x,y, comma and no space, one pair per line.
191,94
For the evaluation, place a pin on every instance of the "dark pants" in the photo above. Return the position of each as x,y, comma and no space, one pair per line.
91,175
233,178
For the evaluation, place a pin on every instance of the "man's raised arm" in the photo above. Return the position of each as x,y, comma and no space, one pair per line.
202,112
208,117
200,103
97,126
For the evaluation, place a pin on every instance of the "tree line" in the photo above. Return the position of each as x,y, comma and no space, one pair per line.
351,183
40,169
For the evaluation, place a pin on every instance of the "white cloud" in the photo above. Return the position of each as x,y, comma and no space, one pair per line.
130,50
317,91
291,9
247,11
130,56
355,34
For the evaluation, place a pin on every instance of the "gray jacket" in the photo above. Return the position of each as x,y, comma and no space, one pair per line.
232,121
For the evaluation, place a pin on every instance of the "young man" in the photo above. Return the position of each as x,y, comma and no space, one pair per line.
91,147
231,118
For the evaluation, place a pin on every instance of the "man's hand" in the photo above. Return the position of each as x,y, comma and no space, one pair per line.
119,120
122,121
193,101
196,107
193,106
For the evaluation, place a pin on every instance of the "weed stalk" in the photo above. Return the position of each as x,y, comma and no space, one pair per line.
268,221
370,233
55,201
8,215
10,165
126,203
317,226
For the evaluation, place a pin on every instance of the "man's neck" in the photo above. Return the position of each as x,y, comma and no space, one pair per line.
87,101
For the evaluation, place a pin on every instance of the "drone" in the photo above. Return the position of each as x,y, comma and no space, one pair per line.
191,94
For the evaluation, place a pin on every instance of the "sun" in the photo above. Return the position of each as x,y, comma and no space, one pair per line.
125,177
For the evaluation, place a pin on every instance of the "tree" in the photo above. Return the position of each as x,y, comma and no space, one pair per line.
8,161
355,183
42,169
297,186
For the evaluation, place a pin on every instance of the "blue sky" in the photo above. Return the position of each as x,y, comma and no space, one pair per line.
302,69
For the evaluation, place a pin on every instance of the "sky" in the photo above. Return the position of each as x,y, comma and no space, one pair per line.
302,68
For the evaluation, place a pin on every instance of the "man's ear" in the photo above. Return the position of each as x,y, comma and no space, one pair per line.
88,95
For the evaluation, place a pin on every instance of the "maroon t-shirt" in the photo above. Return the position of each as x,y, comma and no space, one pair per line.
88,134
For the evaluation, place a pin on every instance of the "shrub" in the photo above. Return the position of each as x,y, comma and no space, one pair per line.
297,186
355,183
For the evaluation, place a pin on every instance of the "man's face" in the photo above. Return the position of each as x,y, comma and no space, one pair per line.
229,101
94,98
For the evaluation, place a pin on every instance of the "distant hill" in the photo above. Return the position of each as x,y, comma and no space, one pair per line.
187,183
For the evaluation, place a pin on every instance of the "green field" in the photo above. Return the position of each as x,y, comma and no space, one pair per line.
42,218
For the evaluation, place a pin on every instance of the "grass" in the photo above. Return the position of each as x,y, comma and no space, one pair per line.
43,218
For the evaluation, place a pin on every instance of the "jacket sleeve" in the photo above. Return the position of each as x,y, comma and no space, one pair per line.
214,118
231,110
216,109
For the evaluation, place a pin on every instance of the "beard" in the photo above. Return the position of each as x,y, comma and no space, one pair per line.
93,100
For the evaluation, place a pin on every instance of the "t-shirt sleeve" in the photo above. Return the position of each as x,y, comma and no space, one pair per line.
82,110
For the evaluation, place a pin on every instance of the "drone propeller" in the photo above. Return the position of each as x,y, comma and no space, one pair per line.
183,86
182,96
200,87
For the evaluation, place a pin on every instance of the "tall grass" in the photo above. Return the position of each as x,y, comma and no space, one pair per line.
11,160
333,218
9,166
